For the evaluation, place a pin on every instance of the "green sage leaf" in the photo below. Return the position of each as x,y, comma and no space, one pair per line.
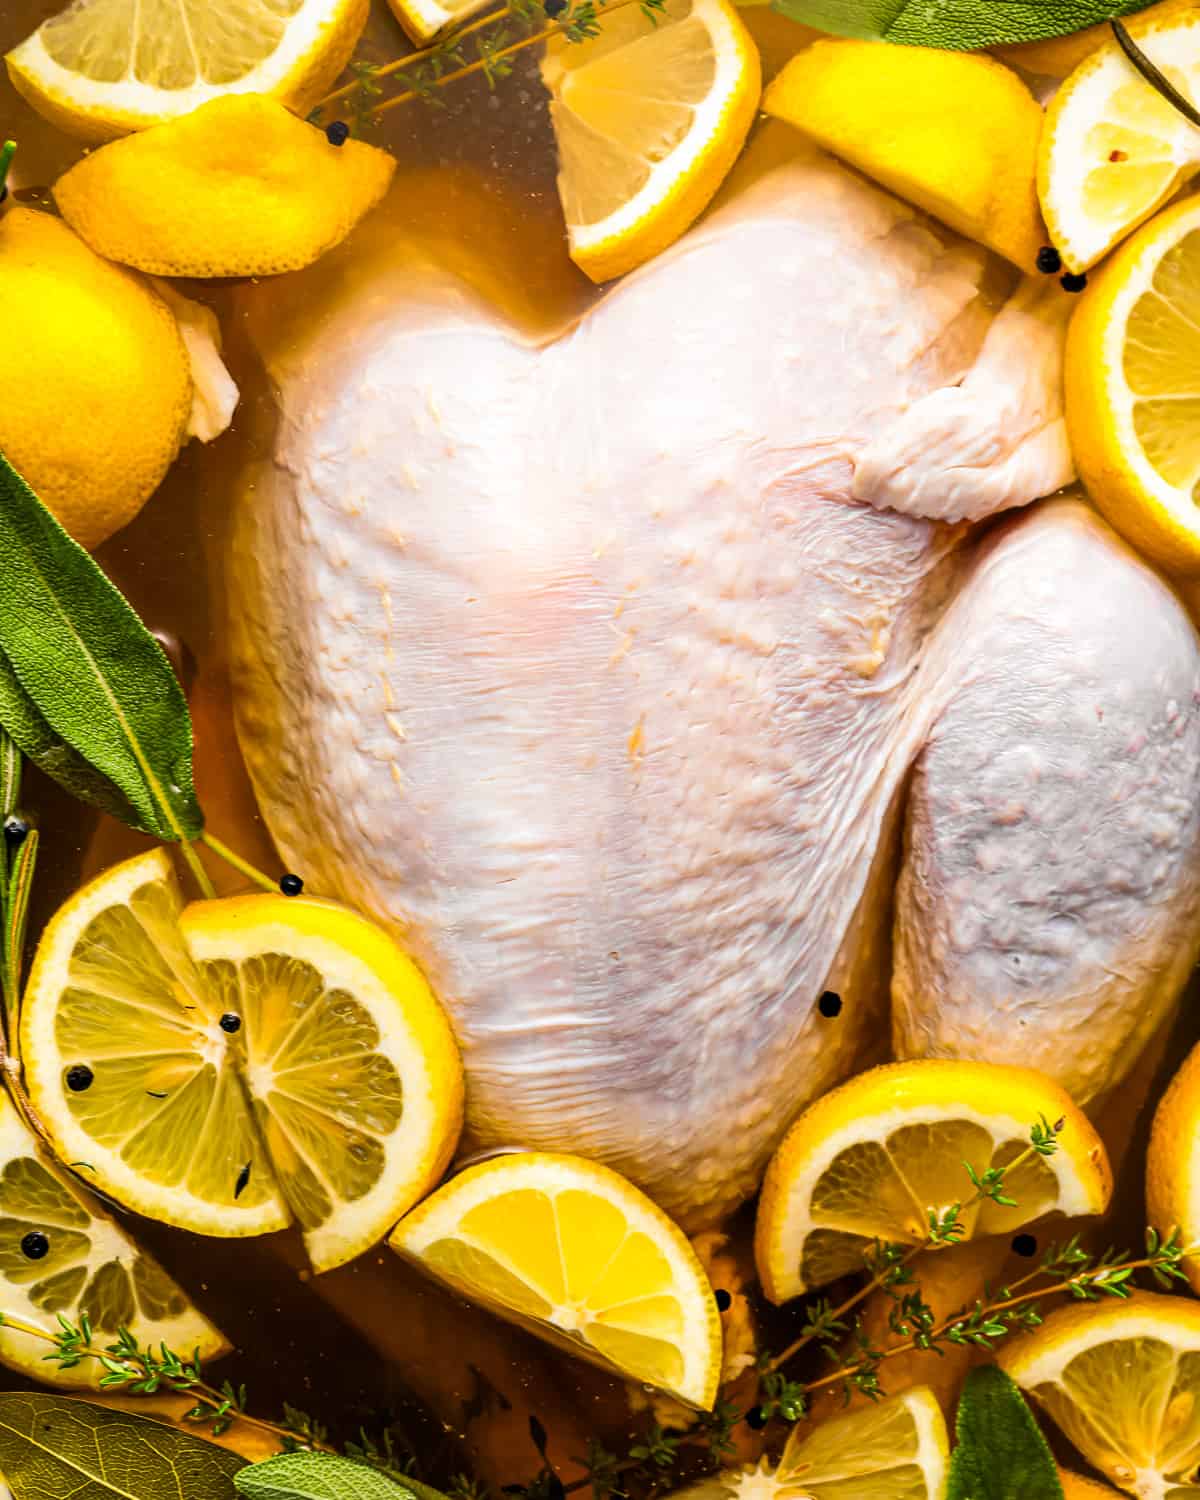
316,1476
86,692
58,1446
955,25
1001,1453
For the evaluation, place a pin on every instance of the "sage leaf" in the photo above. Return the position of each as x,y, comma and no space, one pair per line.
316,1476
57,1446
1001,1453
955,25
86,692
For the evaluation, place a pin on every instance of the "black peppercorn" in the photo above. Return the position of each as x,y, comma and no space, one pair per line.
1024,1244
338,133
724,1300
830,1004
291,885
16,831
79,1078
230,1023
1049,261
1072,281
35,1245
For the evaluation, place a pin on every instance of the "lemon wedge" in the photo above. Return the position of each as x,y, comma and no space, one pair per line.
574,1252
955,133
1133,388
873,1159
649,117
1114,149
239,1063
238,188
61,1255
98,69
424,19
897,1449
1122,1382
1173,1162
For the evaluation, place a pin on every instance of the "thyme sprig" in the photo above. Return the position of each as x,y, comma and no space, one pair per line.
486,45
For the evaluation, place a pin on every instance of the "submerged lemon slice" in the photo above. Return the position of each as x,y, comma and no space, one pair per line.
650,116
100,69
1114,149
897,1449
62,1255
873,1159
576,1253
1122,1381
1133,388
232,1065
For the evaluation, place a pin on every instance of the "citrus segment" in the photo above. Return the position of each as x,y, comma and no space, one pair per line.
239,188
1114,149
877,1157
61,1255
1132,391
232,1066
1173,1162
1121,1379
955,133
649,117
104,67
424,19
578,1254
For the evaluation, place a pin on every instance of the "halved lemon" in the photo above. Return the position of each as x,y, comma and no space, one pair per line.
576,1253
236,1064
897,1449
650,115
873,1159
424,19
62,1255
99,69
1113,149
1122,1381
1133,388
1173,1162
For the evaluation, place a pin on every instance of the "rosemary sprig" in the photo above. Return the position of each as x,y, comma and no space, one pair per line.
1153,75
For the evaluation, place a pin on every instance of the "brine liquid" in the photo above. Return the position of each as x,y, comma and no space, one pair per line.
373,1344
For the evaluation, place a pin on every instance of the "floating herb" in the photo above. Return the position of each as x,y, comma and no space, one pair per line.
1001,1453
955,25
316,1476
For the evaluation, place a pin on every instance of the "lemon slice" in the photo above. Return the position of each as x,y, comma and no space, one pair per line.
1133,388
62,1255
1122,1381
649,116
579,1255
955,133
897,1449
230,1066
1114,149
874,1158
424,19
100,69
1173,1162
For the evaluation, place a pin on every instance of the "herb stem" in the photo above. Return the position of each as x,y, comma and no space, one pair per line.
200,874
1153,75
242,866
399,63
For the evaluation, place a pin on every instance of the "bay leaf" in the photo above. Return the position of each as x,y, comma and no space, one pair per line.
1000,1453
317,1476
56,1446
85,689
955,25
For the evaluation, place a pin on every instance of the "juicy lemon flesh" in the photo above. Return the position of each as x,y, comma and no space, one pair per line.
1161,364
1131,155
878,1453
571,1259
887,1190
1132,1408
296,1101
626,103
168,44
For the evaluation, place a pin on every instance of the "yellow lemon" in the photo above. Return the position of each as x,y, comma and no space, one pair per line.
424,19
61,1255
1132,406
876,1157
1121,1379
580,1256
896,1449
239,1063
955,133
98,70
1173,1162
96,384
239,188
649,117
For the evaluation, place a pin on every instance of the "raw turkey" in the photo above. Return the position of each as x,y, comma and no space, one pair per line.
644,674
